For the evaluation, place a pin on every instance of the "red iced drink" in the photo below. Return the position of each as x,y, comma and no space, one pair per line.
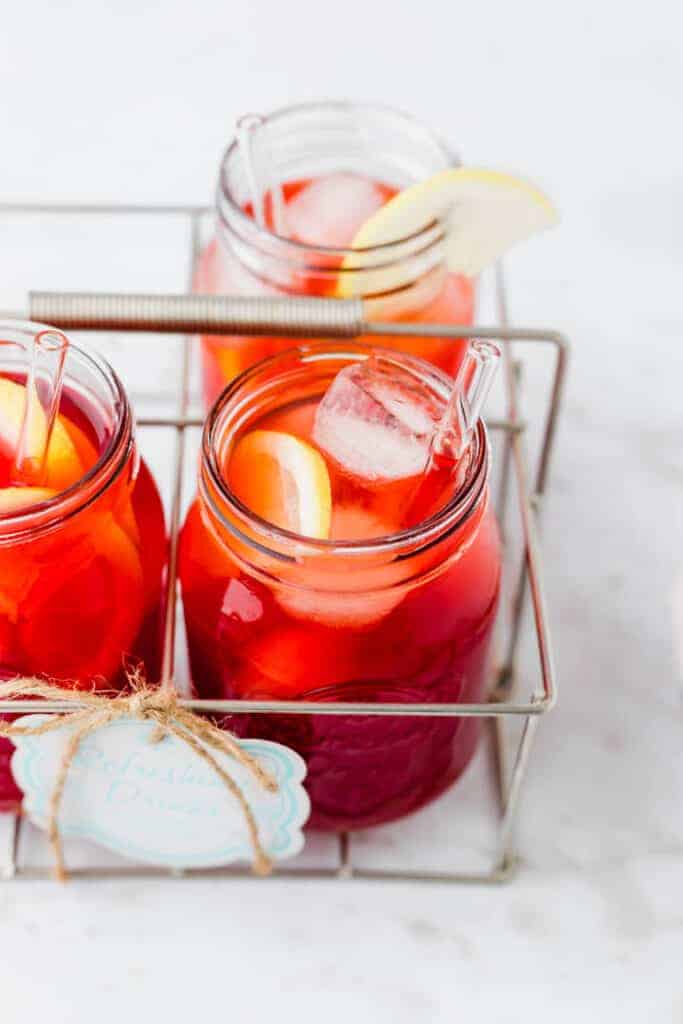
82,546
306,576
323,170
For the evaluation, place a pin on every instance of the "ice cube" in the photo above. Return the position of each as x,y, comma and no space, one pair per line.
376,422
341,610
332,208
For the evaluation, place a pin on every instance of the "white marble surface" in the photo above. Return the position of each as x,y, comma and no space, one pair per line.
134,101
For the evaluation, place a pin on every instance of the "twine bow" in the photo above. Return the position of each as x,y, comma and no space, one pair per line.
153,704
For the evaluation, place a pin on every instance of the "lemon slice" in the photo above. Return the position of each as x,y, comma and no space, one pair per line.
483,213
62,465
16,499
283,480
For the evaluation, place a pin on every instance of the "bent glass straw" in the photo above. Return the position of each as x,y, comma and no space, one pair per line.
470,391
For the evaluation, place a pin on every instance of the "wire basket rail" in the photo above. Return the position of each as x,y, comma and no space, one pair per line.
315,318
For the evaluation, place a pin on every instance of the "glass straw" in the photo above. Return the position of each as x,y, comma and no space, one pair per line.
246,126
279,215
43,396
454,434
470,391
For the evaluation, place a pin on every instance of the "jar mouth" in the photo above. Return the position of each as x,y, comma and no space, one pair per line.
43,515
437,157
276,542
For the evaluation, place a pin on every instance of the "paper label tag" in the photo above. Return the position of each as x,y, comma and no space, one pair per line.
159,802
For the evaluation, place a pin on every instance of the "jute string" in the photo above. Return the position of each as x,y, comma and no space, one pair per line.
144,703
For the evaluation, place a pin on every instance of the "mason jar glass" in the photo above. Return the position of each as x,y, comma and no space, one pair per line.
80,568
337,143
402,618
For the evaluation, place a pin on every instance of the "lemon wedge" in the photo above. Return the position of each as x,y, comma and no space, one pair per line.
62,465
283,480
17,499
483,214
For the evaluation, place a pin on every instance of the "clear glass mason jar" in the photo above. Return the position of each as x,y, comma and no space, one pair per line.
404,280
400,618
80,569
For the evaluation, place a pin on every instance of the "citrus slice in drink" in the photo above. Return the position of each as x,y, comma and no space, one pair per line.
62,466
284,480
317,592
17,574
483,213
80,622
84,447
18,499
295,659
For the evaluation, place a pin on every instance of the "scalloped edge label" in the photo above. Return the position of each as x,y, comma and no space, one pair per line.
159,803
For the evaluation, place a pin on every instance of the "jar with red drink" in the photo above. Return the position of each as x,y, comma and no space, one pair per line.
319,171
83,549
382,613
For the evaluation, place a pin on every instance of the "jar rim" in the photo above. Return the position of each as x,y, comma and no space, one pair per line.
250,231
265,536
66,503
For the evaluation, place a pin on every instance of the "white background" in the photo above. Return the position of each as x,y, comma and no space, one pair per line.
135,101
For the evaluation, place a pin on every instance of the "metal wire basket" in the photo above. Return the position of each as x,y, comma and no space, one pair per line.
515,698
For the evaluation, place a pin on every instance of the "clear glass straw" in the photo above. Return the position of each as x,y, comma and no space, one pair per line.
43,396
470,392
279,213
246,126
445,463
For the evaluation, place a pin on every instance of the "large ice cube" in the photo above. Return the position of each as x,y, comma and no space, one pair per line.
332,208
376,422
